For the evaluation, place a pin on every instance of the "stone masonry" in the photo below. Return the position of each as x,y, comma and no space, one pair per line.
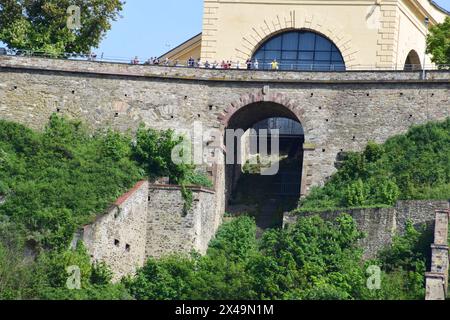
148,221
437,279
340,111
118,237
170,231
381,224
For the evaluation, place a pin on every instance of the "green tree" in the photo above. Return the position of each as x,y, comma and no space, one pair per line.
315,259
438,43
41,25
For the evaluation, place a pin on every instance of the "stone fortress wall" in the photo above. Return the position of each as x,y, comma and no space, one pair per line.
381,224
149,221
170,231
339,111
437,279
118,237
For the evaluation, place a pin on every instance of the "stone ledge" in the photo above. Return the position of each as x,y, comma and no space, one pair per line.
435,275
177,187
103,69
128,194
439,246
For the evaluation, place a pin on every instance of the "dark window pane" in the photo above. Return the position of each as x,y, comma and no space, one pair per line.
270,55
289,55
323,56
274,44
305,65
288,64
300,51
322,67
307,41
336,56
290,41
338,67
259,55
322,44
306,55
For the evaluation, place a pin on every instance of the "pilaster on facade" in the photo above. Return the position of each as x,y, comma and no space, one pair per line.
387,37
210,29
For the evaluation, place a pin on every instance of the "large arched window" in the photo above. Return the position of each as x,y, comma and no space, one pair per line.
300,50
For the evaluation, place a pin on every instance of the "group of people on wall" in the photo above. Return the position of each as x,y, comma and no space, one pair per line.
250,64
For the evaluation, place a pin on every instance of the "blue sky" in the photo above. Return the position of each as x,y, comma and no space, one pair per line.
150,28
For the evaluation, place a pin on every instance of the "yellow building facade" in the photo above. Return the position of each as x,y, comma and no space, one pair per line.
365,34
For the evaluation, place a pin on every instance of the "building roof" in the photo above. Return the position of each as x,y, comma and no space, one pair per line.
181,45
434,4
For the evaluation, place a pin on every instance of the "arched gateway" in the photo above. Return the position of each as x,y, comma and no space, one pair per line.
247,186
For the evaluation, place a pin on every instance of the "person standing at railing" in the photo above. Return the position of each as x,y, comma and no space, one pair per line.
256,64
135,60
191,62
274,64
92,56
249,64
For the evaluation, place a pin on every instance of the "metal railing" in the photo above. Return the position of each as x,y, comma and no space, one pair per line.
216,65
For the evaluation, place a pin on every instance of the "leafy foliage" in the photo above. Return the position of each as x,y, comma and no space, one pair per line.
315,259
438,43
46,277
312,260
55,181
404,264
41,25
154,150
60,179
413,166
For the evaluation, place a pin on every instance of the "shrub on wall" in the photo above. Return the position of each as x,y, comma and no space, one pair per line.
55,181
413,166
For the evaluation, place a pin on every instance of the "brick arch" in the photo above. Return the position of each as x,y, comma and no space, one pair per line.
295,20
283,100
255,97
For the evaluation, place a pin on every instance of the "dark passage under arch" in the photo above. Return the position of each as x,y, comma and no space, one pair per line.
265,197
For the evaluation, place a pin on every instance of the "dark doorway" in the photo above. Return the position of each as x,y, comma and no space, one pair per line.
412,62
266,197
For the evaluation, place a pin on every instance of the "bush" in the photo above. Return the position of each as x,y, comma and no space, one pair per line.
413,166
55,181
60,179
314,259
